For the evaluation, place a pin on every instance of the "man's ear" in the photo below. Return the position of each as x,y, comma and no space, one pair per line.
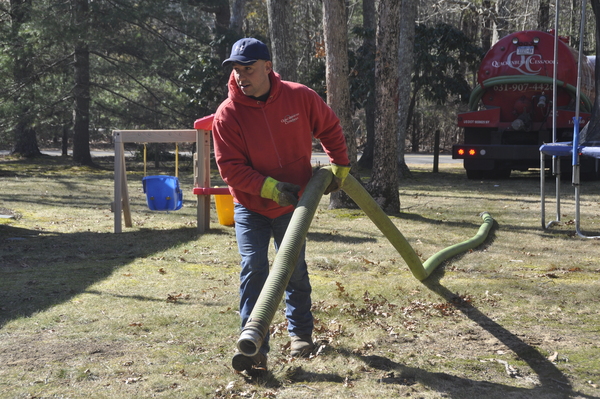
269,65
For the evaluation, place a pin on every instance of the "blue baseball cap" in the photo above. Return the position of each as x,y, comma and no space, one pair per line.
247,51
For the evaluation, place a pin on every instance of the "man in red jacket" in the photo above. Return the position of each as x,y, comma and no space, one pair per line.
263,145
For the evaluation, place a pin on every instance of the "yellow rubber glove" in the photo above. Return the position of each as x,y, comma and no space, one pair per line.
283,193
339,176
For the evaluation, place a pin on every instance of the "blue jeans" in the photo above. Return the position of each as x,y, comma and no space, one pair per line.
253,232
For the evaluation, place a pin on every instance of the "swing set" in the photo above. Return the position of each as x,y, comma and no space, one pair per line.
163,192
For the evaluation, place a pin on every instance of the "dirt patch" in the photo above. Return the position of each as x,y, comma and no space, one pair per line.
39,350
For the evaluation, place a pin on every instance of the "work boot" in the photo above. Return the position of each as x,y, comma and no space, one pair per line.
253,365
301,346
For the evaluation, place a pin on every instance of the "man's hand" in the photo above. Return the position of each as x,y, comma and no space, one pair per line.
281,192
339,176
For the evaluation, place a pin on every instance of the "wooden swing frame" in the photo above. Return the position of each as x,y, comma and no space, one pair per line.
201,169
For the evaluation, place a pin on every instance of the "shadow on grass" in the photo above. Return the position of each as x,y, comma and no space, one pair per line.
39,269
295,374
552,382
550,377
459,387
330,237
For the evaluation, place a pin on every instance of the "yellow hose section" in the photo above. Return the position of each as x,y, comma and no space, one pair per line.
364,200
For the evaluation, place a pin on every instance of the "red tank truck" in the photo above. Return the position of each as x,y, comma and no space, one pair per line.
510,109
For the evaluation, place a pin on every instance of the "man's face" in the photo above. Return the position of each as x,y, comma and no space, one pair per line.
253,79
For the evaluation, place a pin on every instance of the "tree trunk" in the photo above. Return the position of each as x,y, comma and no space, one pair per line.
222,20
81,91
574,29
338,91
384,183
368,48
469,23
222,23
544,15
237,17
282,42
24,135
65,141
406,44
25,141
81,112
487,29
501,24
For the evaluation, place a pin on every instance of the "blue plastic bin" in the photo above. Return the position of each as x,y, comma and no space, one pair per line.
162,193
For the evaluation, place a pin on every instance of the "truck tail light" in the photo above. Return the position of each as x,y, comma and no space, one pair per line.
466,151
469,152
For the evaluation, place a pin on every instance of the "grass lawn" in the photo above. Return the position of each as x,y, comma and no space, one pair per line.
152,312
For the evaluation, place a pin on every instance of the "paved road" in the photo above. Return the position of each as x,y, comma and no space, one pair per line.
317,158
411,159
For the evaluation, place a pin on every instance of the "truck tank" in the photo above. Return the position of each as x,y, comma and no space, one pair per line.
510,109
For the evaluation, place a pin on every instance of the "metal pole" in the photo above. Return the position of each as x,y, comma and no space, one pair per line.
436,151
555,160
542,189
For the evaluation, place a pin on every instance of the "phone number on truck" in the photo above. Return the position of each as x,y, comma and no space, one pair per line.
523,87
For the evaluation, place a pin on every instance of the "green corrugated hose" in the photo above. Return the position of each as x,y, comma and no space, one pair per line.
479,91
257,327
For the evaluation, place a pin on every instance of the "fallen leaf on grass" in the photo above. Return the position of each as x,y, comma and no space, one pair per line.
365,260
553,357
231,386
320,350
348,383
510,370
173,298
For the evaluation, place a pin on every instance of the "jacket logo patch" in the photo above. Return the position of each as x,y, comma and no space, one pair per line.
290,119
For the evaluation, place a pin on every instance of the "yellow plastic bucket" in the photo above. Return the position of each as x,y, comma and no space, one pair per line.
224,205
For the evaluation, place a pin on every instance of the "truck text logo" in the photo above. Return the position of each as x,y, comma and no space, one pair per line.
527,65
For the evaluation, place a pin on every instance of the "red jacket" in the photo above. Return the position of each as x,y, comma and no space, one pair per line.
254,140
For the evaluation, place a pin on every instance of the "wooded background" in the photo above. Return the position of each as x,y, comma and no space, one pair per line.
395,71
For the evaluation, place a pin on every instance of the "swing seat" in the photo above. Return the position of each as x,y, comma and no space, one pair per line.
162,193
